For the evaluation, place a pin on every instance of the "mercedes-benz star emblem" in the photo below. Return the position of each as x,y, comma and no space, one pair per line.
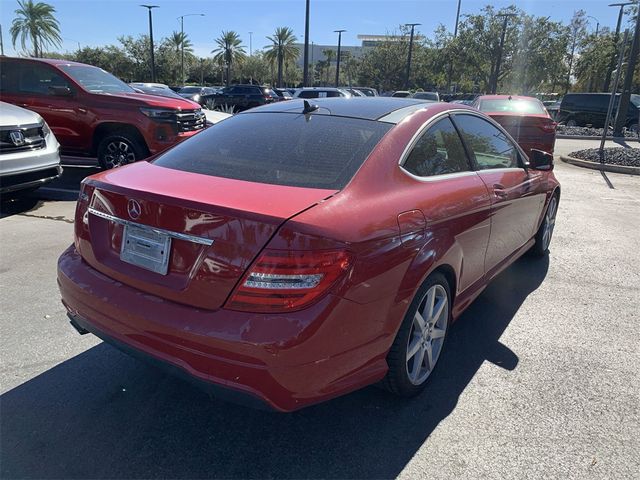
134,209
17,137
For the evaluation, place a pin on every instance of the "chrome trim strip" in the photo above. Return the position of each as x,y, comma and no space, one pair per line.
162,231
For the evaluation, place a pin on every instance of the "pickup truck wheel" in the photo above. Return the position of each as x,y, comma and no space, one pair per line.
116,150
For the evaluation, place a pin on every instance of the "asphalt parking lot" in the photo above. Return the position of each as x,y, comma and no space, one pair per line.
540,378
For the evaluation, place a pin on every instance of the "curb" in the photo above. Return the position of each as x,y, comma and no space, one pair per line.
600,166
585,137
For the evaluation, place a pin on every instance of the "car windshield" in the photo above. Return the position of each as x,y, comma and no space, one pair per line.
321,151
190,90
512,106
96,80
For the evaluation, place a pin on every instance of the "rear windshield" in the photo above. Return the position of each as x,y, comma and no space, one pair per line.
512,106
317,151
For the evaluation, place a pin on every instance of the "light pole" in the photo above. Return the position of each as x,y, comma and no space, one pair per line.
607,80
153,62
339,32
181,17
597,24
250,44
455,35
494,83
413,26
625,95
305,68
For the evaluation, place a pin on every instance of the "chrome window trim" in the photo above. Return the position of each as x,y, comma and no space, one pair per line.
162,231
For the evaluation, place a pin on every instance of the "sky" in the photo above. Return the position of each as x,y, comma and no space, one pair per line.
99,22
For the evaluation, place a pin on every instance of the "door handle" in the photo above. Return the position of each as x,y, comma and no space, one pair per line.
499,190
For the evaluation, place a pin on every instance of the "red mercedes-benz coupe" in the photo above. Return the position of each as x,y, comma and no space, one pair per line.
525,118
287,273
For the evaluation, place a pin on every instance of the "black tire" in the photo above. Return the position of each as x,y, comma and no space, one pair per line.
571,123
541,247
398,379
634,128
118,149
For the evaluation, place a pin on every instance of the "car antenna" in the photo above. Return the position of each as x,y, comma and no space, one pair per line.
309,108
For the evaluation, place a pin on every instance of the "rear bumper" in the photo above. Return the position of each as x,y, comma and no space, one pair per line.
283,362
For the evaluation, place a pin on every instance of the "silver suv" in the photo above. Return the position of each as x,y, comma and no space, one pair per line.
28,150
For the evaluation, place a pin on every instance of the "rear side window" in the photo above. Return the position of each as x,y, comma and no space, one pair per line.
30,78
438,151
320,151
308,94
491,147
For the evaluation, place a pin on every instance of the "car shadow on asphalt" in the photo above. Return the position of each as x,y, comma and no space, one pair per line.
14,205
102,414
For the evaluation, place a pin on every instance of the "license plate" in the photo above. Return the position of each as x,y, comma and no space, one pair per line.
146,248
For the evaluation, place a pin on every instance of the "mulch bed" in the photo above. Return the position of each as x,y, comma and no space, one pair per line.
590,132
629,157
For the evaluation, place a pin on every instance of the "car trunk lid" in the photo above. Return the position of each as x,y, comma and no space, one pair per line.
216,227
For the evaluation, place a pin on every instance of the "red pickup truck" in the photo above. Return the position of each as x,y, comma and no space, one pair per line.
93,113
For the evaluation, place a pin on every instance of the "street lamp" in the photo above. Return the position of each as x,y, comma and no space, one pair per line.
250,44
153,63
413,26
455,34
305,76
181,17
597,24
616,38
494,83
339,32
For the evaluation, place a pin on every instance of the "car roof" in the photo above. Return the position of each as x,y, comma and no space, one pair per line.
386,109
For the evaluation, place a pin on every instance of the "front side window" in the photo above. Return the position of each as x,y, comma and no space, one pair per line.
438,151
96,80
490,146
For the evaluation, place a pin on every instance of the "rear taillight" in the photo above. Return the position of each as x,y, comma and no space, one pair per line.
549,127
282,280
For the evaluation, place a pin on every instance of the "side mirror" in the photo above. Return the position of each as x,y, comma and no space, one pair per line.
58,91
540,160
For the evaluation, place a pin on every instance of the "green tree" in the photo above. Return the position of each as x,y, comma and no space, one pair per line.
384,66
282,49
37,23
229,51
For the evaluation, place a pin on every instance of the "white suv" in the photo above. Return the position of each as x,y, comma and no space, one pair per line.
28,150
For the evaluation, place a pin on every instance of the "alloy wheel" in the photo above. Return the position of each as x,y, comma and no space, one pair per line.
427,334
118,153
549,223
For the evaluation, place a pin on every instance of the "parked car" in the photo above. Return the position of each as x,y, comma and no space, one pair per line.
525,118
283,94
433,96
28,150
93,113
462,102
321,92
212,116
288,273
552,106
197,94
401,94
242,97
590,109
354,92
369,92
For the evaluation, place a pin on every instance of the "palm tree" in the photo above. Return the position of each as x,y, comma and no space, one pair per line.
176,39
330,54
229,51
282,49
35,21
